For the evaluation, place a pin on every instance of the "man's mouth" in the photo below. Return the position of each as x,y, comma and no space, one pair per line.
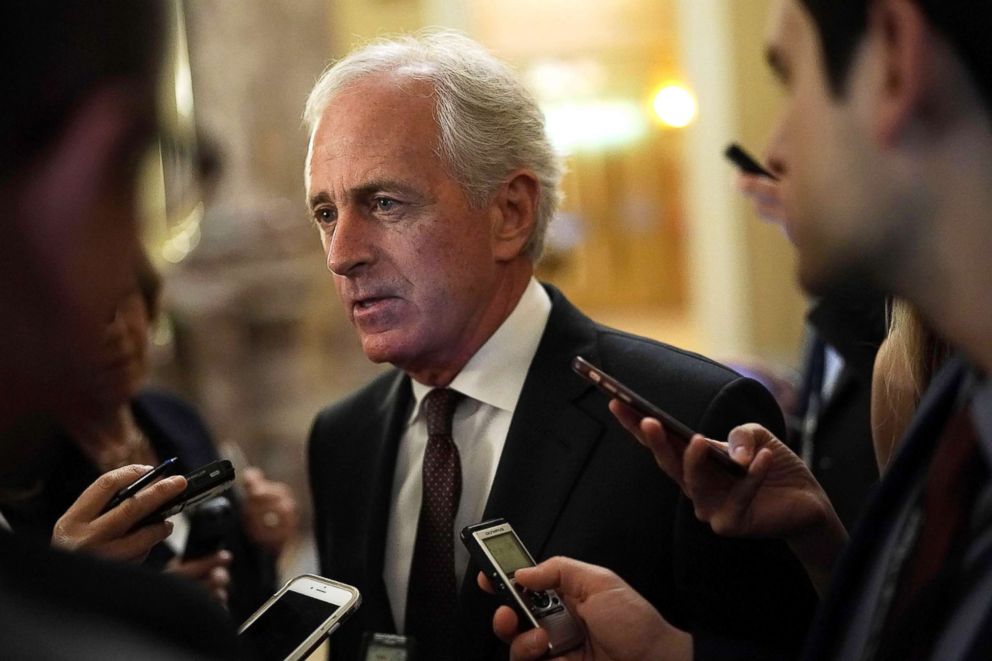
365,303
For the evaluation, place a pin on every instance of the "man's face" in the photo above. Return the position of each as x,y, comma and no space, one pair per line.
413,261
834,193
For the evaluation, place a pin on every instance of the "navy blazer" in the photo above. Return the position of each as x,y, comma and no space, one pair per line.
572,482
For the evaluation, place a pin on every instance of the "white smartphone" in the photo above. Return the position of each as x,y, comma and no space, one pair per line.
298,618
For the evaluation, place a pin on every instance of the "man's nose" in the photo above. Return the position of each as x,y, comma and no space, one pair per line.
350,246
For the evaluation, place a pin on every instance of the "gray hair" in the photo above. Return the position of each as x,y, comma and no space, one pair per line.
488,123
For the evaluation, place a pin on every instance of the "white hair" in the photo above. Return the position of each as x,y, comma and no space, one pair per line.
488,123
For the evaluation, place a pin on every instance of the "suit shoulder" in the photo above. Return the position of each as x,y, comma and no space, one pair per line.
356,408
636,354
709,396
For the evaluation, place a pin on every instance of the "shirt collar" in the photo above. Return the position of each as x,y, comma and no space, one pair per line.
495,375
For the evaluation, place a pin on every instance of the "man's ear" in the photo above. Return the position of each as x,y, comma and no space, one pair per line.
514,214
908,74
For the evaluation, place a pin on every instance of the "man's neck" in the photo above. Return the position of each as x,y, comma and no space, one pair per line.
952,285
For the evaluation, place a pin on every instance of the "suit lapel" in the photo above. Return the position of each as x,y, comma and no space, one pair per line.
392,411
550,437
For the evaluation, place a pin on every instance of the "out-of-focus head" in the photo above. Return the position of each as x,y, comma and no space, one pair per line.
80,86
432,181
488,123
122,363
875,91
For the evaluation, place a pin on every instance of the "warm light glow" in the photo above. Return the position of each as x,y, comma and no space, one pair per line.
593,125
675,106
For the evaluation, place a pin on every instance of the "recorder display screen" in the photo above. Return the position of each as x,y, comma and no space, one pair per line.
509,554
285,625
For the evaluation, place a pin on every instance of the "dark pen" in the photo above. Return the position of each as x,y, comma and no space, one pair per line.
139,484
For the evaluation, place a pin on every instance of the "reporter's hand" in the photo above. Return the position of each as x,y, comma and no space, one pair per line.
620,624
269,513
113,535
210,572
768,199
778,497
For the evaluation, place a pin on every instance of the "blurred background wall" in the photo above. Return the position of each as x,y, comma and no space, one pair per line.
651,237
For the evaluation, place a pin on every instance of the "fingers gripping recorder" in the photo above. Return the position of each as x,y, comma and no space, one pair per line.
495,547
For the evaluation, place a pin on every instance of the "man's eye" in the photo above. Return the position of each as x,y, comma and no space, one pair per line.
385,204
324,215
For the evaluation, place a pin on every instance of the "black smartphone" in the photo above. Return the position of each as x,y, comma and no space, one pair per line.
746,162
139,484
210,524
676,429
387,647
202,484
496,549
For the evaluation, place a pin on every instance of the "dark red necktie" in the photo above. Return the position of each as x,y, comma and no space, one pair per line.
432,595
952,482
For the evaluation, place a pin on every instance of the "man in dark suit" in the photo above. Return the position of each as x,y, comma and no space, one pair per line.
80,114
886,136
834,416
431,181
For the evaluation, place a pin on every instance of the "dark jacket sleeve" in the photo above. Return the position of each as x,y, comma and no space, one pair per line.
717,575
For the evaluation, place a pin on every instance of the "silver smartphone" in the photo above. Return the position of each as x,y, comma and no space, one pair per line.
291,624
495,547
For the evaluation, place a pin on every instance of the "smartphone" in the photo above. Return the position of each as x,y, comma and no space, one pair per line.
297,618
495,547
139,484
202,484
746,162
210,524
614,389
387,647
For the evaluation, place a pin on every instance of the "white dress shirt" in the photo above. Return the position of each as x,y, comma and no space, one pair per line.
491,382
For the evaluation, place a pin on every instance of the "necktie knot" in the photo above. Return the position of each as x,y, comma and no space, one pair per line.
439,408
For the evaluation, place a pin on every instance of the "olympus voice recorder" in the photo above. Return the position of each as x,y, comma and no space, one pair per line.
495,547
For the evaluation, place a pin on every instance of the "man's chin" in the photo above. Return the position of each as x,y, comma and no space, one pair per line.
826,280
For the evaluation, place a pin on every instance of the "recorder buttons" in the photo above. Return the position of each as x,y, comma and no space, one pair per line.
540,599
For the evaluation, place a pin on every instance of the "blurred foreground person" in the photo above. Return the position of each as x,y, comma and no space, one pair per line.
115,422
886,137
79,115
431,180
830,422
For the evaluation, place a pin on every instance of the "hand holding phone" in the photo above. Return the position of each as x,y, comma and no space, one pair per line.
297,618
746,162
676,430
116,534
130,490
202,484
496,549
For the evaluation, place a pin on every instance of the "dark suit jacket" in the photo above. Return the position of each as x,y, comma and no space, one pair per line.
173,428
847,600
843,458
572,482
